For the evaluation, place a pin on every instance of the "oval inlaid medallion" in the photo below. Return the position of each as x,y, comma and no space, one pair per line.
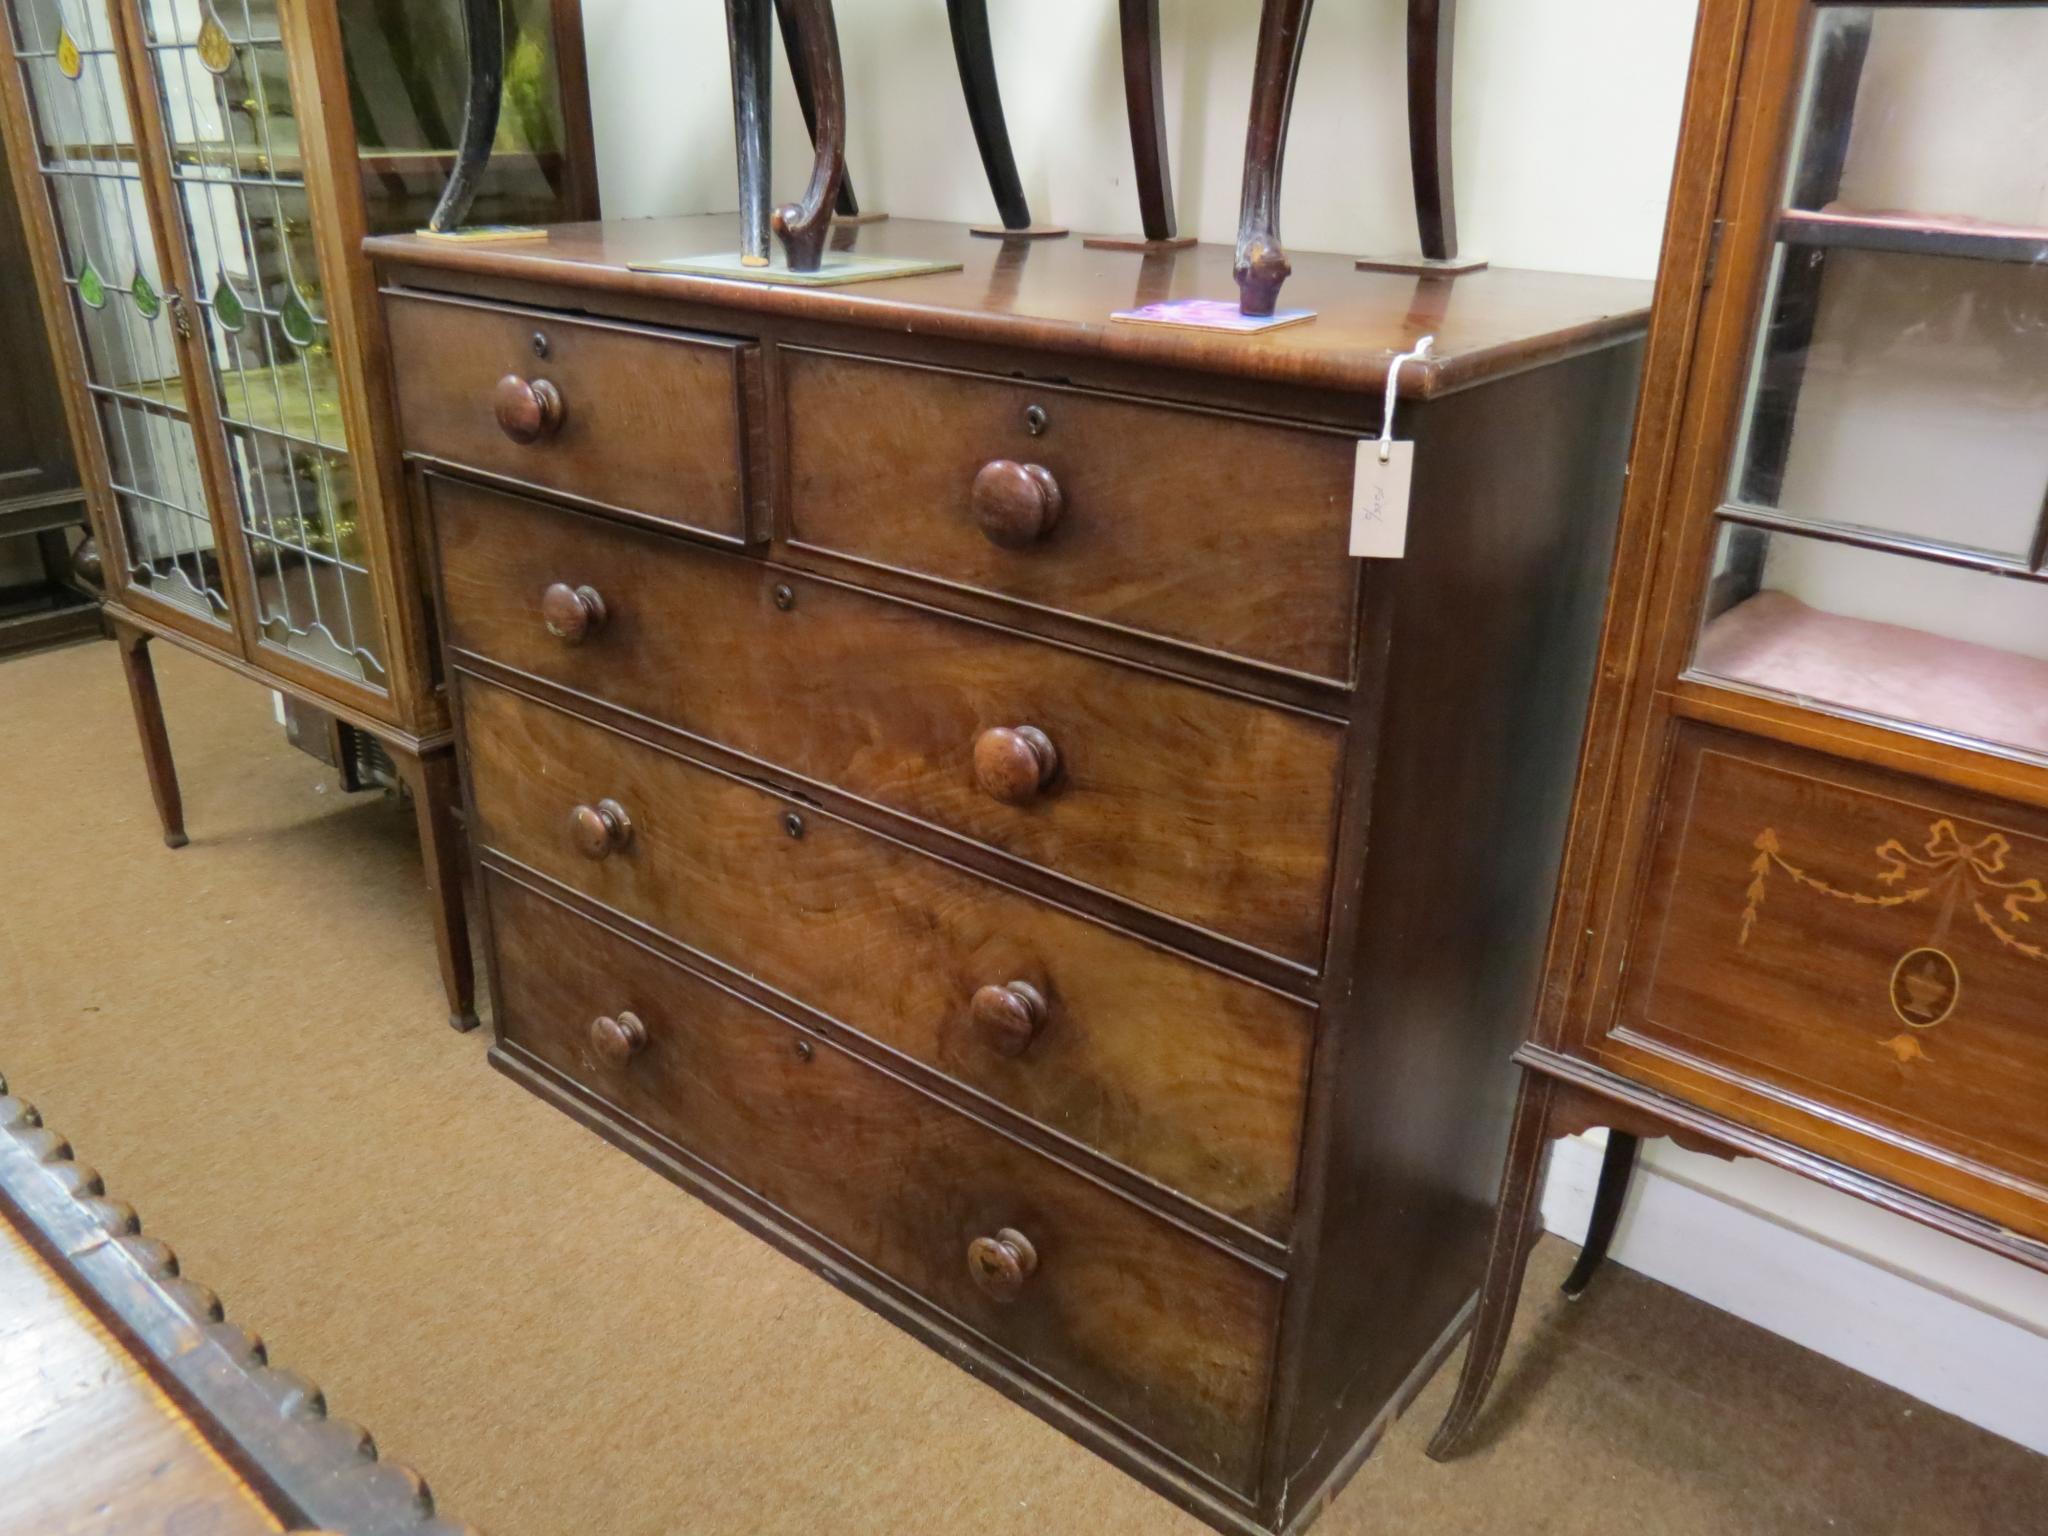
1925,987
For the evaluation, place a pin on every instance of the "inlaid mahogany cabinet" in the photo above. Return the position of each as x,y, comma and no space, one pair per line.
196,178
1805,915
945,794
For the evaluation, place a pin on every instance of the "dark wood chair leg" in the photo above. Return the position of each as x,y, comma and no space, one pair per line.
484,26
1514,1235
1431,27
1261,263
802,227
435,790
747,25
847,206
149,725
1615,1170
1145,100
975,55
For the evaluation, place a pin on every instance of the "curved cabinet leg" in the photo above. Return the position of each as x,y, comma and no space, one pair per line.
846,205
435,789
1261,264
975,55
140,671
802,227
746,28
1514,1235
1615,1170
484,41
1145,100
1431,27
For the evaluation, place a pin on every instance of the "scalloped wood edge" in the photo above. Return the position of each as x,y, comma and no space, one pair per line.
322,1472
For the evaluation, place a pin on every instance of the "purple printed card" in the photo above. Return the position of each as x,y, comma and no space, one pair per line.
1211,315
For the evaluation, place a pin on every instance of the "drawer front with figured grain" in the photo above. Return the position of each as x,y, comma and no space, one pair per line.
652,422
1179,1071
1156,1326
1213,530
1197,803
1862,947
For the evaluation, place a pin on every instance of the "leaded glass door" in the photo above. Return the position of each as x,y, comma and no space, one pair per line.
94,168
238,168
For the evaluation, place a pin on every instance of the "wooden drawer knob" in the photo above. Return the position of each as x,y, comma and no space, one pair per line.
1001,1264
572,614
1016,504
600,830
1012,763
1008,1018
528,410
618,1040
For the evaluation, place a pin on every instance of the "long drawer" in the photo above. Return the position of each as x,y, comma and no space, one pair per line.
652,422
1196,803
1133,513
1154,1325
1179,1071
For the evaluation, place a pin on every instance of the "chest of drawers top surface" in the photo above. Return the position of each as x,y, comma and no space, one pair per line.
943,790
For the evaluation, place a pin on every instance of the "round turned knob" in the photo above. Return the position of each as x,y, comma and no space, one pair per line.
527,409
1012,763
618,1040
1016,504
87,566
1008,1018
601,829
1001,1264
572,614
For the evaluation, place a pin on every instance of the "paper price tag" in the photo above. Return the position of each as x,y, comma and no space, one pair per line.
1379,501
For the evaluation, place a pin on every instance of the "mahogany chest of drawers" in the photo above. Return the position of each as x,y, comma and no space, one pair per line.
943,792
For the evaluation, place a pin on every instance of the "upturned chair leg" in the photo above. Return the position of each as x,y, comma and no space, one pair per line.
140,671
484,41
975,55
1431,27
847,205
1261,264
435,791
1516,1221
802,226
1615,1170
747,33
1145,101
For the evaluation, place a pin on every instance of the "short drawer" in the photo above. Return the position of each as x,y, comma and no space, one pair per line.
1177,1070
1154,1325
1220,532
1845,944
650,422
1194,802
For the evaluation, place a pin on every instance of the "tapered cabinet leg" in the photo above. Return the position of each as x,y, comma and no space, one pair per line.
747,24
435,790
133,644
1616,1169
1514,1236
802,226
1261,263
847,205
1145,101
484,43
1431,27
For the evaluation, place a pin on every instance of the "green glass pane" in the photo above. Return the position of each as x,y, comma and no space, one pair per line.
227,305
296,319
145,296
91,289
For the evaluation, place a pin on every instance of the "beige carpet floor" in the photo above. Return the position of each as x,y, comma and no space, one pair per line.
247,1038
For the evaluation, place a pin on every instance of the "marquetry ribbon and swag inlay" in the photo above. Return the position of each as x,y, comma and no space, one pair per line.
1927,982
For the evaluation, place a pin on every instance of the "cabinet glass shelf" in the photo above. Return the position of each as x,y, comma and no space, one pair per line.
1884,544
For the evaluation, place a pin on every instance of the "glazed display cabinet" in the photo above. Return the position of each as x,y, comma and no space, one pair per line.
197,177
1806,918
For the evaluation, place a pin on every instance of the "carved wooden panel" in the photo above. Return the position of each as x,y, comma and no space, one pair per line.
1157,511
1175,1069
1200,804
1873,947
649,421
1156,1326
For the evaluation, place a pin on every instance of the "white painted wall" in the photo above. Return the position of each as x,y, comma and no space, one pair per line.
1567,116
